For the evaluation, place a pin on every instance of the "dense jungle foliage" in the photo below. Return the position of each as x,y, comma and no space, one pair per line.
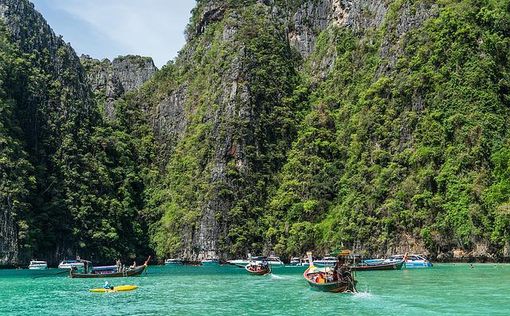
382,139
72,183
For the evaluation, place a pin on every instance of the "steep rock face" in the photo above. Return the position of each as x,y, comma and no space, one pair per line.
111,80
27,34
313,17
215,111
362,118
48,123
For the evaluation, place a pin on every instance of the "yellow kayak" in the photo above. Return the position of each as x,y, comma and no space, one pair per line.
120,288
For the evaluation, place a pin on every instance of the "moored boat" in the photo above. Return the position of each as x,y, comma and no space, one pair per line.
325,262
410,261
329,279
72,264
210,262
110,272
378,266
38,265
173,261
297,262
273,261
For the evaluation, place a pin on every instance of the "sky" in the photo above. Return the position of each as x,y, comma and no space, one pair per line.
109,28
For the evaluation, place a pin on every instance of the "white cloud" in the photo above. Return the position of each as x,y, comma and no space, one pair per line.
145,27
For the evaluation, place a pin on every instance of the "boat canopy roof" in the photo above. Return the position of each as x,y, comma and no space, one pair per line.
104,268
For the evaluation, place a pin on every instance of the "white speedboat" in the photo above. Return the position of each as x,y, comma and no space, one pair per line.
295,261
210,262
298,262
411,261
173,261
72,264
273,261
325,262
38,265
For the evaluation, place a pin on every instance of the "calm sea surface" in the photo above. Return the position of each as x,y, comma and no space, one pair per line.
445,289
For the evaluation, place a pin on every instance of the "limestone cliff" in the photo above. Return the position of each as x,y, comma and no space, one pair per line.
110,80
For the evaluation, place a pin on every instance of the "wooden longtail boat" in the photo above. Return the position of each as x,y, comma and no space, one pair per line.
378,266
126,273
323,279
258,269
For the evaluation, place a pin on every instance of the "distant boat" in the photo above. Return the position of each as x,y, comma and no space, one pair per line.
38,265
325,279
72,264
410,261
173,261
110,272
210,262
258,268
273,261
378,266
298,262
325,262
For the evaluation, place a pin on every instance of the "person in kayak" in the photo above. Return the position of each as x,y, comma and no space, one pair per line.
107,285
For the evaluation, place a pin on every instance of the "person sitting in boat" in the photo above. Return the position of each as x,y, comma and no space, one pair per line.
133,265
107,285
341,270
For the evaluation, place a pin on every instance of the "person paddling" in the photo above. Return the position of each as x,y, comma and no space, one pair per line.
107,285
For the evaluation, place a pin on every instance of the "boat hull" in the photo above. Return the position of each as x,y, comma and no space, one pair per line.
340,286
121,288
253,271
417,264
333,287
377,267
133,272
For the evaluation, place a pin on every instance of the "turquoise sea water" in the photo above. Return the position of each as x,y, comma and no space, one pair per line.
445,289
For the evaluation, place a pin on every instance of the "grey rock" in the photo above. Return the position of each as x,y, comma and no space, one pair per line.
111,80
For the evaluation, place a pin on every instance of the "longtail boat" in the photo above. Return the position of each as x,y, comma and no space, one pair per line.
378,266
258,268
113,274
328,280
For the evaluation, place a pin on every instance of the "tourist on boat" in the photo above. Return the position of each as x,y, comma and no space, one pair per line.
118,264
133,265
341,270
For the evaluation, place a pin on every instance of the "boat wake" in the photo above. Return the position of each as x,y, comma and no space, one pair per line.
363,295
277,277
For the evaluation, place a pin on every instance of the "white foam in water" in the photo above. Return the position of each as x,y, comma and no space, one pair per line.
363,295
276,277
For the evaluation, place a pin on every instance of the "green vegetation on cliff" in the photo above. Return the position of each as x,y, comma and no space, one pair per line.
400,142
388,136
71,184
412,152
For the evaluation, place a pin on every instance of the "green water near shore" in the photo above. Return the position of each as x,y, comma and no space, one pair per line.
445,289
